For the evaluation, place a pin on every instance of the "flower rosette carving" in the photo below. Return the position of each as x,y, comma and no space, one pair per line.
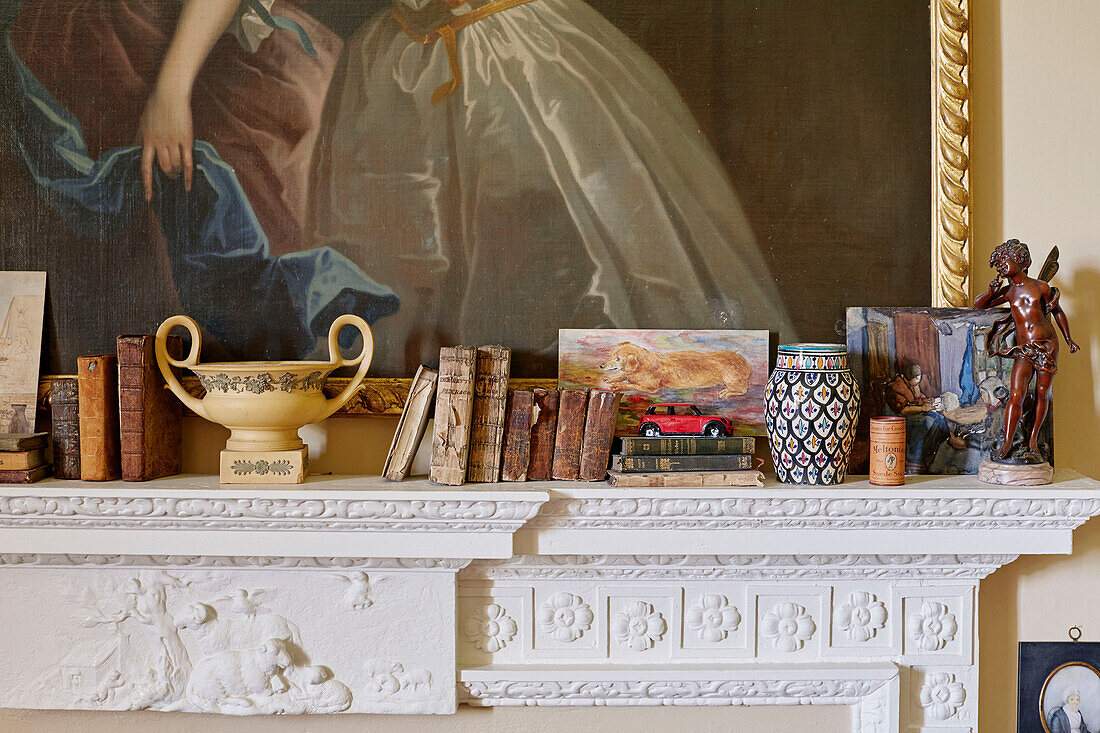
565,617
490,628
788,625
713,618
933,627
639,626
942,696
861,616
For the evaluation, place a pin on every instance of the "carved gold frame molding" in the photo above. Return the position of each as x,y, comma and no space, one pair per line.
950,153
950,77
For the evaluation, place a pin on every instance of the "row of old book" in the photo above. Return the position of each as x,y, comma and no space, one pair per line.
116,418
485,432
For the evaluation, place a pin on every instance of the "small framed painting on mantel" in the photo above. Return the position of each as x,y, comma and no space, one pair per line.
718,372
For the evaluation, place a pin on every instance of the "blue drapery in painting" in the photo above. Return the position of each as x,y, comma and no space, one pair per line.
225,275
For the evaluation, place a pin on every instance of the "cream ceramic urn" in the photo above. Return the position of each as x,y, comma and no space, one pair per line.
264,403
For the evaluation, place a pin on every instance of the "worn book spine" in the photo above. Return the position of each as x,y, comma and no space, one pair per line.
640,446
150,417
543,434
599,432
100,454
572,408
65,419
26,476
411,426
685,479
487,422
453,409
22,460
633,464
22,441
517,435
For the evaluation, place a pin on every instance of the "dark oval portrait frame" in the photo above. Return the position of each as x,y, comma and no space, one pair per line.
1046,683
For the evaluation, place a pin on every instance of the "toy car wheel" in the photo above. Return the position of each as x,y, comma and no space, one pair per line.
650,430
714,430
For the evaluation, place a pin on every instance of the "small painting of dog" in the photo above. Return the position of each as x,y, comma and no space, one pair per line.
636,368
722,372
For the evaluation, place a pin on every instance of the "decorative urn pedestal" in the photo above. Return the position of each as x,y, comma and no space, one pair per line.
264,403
811,409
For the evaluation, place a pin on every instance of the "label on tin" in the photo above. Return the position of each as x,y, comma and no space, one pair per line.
888,451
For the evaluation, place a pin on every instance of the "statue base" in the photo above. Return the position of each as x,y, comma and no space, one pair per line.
265,467
1008,474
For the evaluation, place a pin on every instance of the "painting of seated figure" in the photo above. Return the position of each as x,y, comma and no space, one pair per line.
930,366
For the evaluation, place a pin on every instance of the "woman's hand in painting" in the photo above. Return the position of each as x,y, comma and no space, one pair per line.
166,138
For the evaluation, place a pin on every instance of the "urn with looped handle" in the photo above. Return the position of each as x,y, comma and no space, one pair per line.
264,403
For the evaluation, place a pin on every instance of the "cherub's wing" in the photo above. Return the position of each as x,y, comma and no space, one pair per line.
1050,267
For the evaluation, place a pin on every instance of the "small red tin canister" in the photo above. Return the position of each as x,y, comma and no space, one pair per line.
888,451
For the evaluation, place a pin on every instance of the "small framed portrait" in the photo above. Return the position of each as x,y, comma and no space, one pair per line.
1059,688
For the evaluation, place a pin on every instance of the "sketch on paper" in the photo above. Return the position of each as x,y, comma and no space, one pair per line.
22,302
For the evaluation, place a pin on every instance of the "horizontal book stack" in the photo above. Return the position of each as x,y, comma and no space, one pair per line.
23,458
685,462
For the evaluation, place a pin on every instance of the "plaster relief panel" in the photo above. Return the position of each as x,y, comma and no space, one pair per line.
864,621
242,642
717,621
642,625
791,625
941,698
567,622
938,625
494,624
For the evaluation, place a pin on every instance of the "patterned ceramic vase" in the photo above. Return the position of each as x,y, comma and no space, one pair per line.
811,408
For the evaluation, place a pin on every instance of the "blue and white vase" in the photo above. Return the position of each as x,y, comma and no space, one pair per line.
811,407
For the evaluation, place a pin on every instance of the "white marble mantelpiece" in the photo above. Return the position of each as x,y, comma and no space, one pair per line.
413,598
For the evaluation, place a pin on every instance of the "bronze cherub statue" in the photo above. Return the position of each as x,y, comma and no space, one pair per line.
1031,343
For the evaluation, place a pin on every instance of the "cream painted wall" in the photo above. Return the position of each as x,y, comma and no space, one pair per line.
1036,177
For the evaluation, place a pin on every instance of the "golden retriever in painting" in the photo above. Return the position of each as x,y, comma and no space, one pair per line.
636,368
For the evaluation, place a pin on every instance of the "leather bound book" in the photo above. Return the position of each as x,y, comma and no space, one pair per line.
65,419
642,446
685,479
572,405
487,423
599,431
517,435
150,416
22,441
22,460
454,405
100,453
655,464
411,426
543,434
26,476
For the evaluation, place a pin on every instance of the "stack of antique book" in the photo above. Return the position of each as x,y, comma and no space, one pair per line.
684,461
23,458
485,432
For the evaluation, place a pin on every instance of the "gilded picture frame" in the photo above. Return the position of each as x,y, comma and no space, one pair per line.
950,200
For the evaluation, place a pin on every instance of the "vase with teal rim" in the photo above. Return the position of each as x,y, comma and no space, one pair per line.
811,408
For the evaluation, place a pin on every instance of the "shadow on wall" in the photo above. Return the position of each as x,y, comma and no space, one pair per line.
1039,598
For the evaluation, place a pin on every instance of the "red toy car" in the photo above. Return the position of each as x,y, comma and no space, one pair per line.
682,418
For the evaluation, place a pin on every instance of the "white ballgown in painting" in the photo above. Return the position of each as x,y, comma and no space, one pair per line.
563,183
